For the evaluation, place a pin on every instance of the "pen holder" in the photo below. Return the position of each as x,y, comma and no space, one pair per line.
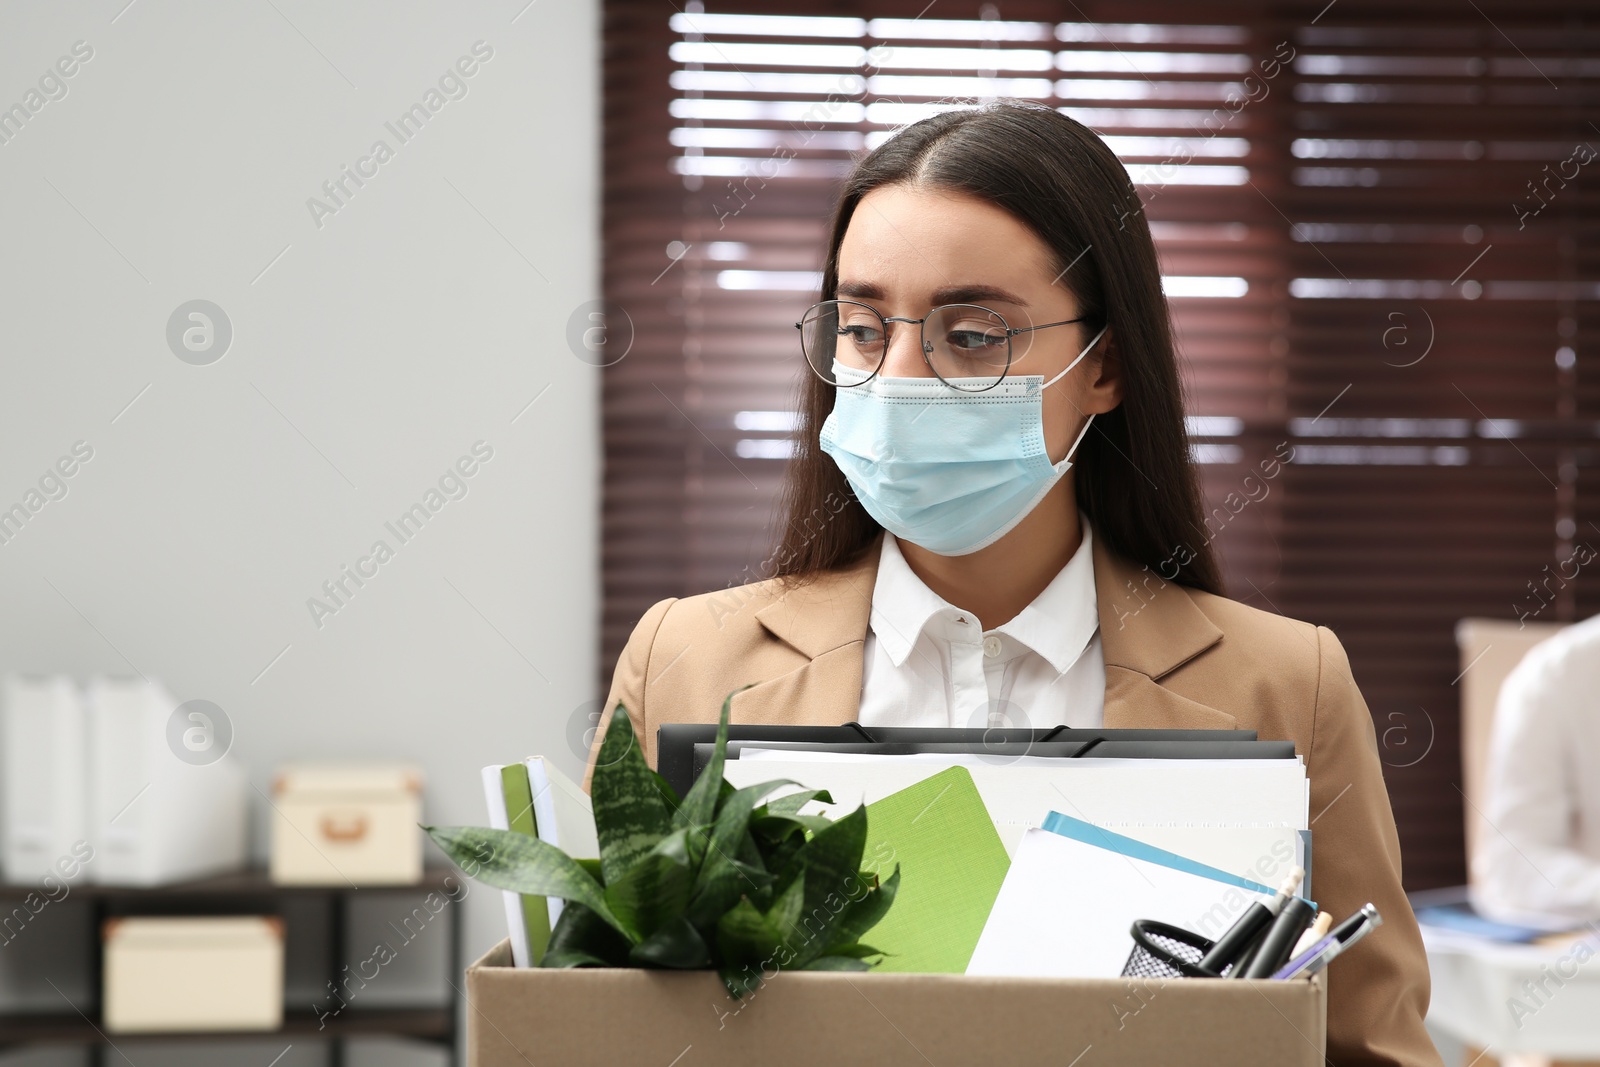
1164,951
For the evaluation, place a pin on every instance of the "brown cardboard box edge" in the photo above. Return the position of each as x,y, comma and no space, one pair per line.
517,1017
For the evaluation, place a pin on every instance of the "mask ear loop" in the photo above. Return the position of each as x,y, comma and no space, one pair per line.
1066,461
1079,358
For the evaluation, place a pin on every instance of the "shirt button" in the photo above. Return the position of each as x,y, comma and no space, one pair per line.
991,647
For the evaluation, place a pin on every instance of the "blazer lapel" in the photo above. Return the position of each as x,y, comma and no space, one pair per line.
825,622
1148,628
1133,701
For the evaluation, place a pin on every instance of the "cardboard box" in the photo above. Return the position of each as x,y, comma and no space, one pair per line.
191,974
516,1016
336,824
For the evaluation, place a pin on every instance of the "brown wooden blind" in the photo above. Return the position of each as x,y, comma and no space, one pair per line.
1377,225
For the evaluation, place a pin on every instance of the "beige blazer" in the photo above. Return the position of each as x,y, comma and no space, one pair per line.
1175,658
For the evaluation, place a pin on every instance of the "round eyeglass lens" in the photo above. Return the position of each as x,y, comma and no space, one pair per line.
851,333
964,341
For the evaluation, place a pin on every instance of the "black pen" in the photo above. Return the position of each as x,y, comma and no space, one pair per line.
1242,964
1277,944
1236,941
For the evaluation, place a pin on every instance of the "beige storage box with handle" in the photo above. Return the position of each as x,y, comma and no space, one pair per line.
193,974
347,824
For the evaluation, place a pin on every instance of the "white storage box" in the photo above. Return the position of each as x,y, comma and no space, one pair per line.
347,825
188,974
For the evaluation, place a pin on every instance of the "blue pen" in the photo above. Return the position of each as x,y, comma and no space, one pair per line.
1341,938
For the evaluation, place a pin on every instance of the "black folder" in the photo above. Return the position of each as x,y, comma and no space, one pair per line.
683,749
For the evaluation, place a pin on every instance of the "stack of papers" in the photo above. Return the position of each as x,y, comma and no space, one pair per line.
1018,792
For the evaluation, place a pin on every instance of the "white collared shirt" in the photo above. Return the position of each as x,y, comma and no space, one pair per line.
928,664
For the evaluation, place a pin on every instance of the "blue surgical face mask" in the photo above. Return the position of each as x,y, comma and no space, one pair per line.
947,470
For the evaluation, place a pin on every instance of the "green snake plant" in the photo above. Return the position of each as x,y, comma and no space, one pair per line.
721,879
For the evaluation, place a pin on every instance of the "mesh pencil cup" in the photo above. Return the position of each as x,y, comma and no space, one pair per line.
1164,951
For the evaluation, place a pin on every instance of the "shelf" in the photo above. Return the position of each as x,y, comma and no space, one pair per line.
427,1024
252,889
253,881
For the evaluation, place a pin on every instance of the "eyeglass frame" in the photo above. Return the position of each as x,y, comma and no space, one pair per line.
1009,330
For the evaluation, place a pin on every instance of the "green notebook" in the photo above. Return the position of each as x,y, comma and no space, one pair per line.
520,819
951,866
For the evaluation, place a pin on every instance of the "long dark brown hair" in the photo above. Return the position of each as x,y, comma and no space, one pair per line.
1134,477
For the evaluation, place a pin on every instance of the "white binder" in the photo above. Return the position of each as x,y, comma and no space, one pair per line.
43,767
155,818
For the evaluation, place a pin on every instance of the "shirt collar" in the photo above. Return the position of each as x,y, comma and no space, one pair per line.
1060,621
1057,625
902,605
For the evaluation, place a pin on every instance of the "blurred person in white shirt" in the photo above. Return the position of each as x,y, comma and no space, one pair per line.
1540,853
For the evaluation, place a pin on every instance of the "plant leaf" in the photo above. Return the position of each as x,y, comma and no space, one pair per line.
829,861
700,806
777,827
592,868
676,944
784,915
752,854
791,803
864,914
856,950
583,939
827,866
630,814
522,864
739,980
687,847
724,876
745,936
655,890
721,882
833,855
777,855
734,817
836,963
667,792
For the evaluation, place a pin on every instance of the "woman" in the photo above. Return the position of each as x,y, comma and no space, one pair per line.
960,548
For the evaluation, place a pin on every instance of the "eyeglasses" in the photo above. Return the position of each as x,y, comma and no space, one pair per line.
967,347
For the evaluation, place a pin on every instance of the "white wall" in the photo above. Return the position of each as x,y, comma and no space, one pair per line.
371,348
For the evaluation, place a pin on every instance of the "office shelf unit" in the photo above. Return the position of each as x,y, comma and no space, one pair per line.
236,893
